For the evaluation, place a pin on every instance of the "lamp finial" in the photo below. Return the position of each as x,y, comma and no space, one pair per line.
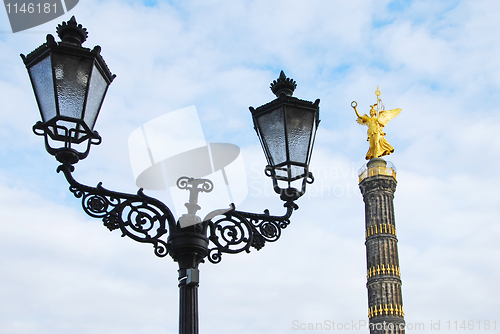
283,85
71,32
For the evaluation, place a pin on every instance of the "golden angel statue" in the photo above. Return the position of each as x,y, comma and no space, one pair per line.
376,122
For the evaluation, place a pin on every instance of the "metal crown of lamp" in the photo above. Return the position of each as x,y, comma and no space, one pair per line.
70,83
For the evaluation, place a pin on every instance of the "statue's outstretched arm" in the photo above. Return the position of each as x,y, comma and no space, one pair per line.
354,104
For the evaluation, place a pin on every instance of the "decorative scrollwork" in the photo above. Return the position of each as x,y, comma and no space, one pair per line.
183,182
237,231
191,184
139,217
144,219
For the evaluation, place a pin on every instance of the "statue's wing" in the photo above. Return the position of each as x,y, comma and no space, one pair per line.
386,115
362,119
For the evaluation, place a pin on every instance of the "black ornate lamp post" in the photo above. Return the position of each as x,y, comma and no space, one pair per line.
70,83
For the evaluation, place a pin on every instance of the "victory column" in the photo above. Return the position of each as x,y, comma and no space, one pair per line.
377,182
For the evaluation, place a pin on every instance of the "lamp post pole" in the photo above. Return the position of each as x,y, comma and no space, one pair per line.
70,82
188,249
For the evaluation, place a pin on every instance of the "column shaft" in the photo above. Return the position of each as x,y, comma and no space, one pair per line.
385,302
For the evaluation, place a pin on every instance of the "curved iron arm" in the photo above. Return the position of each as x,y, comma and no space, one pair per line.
237,231
139,217
144,219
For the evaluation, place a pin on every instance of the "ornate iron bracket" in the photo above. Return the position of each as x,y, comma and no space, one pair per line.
144,219
237,231
139,217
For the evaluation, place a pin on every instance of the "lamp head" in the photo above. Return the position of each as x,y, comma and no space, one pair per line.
286,128
70,83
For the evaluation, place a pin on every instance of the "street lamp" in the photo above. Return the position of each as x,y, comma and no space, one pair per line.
286,128
70,83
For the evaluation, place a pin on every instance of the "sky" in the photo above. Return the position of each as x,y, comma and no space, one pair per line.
63,272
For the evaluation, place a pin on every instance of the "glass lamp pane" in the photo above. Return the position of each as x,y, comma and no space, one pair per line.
282,172
72,76
272,130
299,124
97,89
313,137
43,85
297,171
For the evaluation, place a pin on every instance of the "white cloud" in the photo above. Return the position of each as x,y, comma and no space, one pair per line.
437,60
